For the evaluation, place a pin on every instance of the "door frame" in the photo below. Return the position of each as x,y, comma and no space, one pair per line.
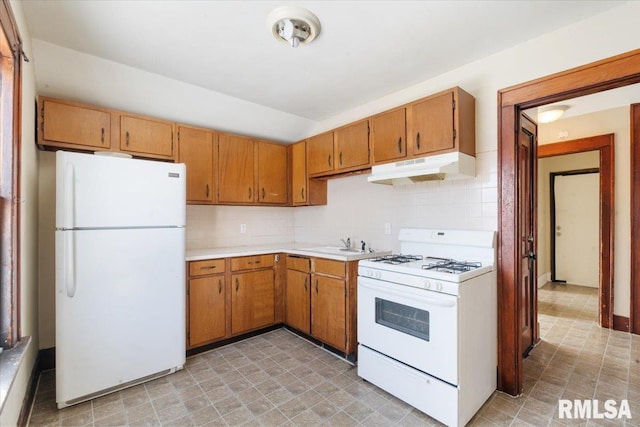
610,73
604,144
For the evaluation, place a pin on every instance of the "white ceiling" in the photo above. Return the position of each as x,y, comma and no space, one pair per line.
366,49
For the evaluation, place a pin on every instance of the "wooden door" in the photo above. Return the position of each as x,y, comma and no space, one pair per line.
433,125
252,300
72,124
351,146
527,156
235,169
146,136
328,311
298,300
389,136
299,173
272,173
196,151
320,154
206,309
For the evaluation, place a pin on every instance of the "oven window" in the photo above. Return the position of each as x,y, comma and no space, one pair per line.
403,318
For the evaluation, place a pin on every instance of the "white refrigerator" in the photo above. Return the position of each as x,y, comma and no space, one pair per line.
119,273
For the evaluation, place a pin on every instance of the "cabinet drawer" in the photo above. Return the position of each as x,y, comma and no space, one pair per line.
330,267
251,262
298,263
209,266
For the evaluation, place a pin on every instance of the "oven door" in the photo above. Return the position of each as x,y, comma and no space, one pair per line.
414,326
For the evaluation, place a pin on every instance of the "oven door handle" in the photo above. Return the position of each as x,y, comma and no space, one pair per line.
449,302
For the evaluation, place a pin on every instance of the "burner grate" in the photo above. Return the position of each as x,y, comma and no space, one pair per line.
397,259
452,266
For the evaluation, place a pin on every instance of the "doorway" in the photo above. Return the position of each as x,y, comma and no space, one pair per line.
610,73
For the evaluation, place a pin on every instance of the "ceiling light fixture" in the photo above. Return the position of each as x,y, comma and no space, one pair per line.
293,25
551,113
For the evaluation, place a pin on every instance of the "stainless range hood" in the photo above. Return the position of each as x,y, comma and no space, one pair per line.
439,167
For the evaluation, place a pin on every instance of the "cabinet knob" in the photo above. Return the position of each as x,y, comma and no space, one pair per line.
237,285
341,158
305,284
250,193
400,145
102,136
127,138
418,140
207,190
263,193
316,286
219,286
302,193
329,160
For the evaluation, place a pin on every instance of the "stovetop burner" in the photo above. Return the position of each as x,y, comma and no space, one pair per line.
452,266
397,259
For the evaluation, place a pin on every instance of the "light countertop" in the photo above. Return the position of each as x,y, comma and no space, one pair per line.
296,248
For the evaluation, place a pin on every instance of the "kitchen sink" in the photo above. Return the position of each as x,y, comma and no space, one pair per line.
338,250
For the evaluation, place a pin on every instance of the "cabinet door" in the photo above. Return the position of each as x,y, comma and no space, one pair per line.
252,300
352,146
328,311
432,124
76,125
299,173
320,154
272,173
235,169
389,136
196,151
146,136
298,300
206,309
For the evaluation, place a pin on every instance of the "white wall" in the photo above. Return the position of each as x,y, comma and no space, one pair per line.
616,121
73,75
28,231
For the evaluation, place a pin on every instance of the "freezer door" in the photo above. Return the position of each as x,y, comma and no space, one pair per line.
108,192
120,307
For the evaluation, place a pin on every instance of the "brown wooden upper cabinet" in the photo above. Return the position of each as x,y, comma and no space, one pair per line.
72,125
299,190
320,158
389,136
442,123
196,151
236,169
343,150
146,136
272,173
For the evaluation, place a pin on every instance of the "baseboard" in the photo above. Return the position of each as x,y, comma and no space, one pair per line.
47,358
620,323
543,279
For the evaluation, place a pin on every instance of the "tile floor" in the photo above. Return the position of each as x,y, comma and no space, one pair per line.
281,379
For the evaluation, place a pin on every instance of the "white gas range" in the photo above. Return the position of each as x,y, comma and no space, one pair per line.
427,322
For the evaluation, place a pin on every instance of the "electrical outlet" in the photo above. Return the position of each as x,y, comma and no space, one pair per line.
387,228
243,228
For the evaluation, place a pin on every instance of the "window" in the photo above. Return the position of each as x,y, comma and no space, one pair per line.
10,54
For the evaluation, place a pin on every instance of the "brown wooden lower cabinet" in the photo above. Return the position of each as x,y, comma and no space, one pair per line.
252,300
206,310
298,293
328,311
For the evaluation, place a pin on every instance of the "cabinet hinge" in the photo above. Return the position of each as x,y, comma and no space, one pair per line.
368,130
454,104
455,134
178,136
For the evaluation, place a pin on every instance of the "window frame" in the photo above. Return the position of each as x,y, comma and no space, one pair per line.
10,195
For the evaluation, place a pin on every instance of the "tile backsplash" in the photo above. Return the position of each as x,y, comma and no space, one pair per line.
356,209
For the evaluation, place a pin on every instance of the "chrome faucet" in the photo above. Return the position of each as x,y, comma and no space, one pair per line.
347,243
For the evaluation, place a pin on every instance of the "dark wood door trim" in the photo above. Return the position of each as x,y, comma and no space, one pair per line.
605,145
634,321
610,73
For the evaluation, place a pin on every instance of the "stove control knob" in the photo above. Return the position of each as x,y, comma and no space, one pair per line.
438,286
427,284
369,273
378,274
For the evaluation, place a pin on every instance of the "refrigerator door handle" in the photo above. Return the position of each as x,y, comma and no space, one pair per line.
69,267
69,185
